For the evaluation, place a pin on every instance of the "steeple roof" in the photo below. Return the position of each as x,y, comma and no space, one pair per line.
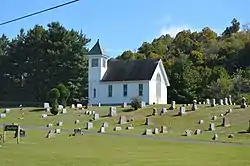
96,49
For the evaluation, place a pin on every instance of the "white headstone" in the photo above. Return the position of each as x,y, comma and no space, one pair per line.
122,120
163,111
64,111
102,130
73,106
143,104
207,101
112,111
215,137
60,123
213,104
182,111
99,105
201,121
44,115
2,116
60,107
172,107
194,105
50,125
214,118
89,125
96,116
46,105
197,132
48,109
221,102
105,124
77,121
156,131
57,131
211,127
148,132
118,128
7,110
226,101
79,105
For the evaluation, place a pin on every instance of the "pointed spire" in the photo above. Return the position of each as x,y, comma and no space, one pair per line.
96,49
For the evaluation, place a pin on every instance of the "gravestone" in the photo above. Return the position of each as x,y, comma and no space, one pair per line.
60,107
194,105
182,111
49,125
172,107
50,134
78,131
148,132
197,132
44,115
2,116
213,104
154,112
204,103
46,105
102,130
201,121
112,111
57,131
77,121
64,111
73,106
21,134
122,120
248,130
199,102
221,102
225,122
211,127
214,118
124,105
207,101
96,116
188,133
130,127
226,101
99,105
163,111
148,121
79,106
230,100
221,115
215,137
47,109
230,136
118,128
105,124
229,110
89,125
163,129
156,131
60,123
7,110
143,104
243,103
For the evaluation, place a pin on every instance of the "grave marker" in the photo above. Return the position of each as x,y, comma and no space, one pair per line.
14,127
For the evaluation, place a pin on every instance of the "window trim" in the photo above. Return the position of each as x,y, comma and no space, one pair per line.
125,90
93,60
110,90
140,89
104,63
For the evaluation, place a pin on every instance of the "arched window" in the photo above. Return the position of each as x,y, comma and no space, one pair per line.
158,85
94,93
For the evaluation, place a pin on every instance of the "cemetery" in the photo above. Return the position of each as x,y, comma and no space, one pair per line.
175,126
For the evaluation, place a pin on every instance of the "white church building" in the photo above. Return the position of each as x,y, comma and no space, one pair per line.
113,82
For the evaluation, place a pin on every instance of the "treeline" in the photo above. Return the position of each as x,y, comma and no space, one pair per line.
199,64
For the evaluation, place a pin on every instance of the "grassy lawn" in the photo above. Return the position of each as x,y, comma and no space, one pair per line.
100,150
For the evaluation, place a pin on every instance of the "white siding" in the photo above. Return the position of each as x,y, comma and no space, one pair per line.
152,88
117,96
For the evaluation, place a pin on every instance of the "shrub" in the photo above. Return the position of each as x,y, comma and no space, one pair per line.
136,103
54,94
239,98
64,94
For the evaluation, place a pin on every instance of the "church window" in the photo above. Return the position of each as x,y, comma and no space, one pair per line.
94,62
158,85
110,90
140,89
94,93
125,90
103,62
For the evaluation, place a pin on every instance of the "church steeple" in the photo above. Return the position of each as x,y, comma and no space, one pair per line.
96,49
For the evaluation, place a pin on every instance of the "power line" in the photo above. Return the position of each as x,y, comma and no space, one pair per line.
39,12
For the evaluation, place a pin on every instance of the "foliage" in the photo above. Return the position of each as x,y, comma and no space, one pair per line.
136,103
54,95
64,94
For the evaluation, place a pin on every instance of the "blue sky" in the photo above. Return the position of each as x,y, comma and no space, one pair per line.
126,24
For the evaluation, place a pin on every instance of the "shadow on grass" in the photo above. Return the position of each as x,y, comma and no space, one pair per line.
105,116
243,132
128,110
38,110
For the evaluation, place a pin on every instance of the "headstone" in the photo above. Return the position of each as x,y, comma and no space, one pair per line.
50,134
215,137
163,111
49,125
79,105
248,130
73,106
214,118
7,110
102,130
229,110
112,111
188,133
57,131
154,112
143,104
22,133
163,129
64,111
78,131
60,123
194,105
182,111
96,116
226,101
148,132
148,121
204,103
197,132
130,128
221,115
225,122
122,120
243,103
230,100
2,116
77,121
89,112
124,105
172,107
44,115
156,131
213,104
47,109
118,128
199,102
201,121
89,125
105,124
211,127
60,107
221,102
46,105
230,136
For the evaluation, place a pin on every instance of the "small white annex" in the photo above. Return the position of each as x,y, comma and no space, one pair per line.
113,82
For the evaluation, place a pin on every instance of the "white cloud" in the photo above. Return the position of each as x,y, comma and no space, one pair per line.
174,30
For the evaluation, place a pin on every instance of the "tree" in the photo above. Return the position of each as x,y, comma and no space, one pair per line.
64,94
54,95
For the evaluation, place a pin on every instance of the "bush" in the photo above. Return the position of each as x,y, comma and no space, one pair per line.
54,94
64,94
239,98
54,110
136,103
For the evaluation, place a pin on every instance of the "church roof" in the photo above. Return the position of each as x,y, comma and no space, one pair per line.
131,70
96,49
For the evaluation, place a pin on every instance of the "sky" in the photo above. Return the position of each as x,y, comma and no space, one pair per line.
125,24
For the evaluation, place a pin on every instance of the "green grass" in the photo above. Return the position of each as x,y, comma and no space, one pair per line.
103,150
